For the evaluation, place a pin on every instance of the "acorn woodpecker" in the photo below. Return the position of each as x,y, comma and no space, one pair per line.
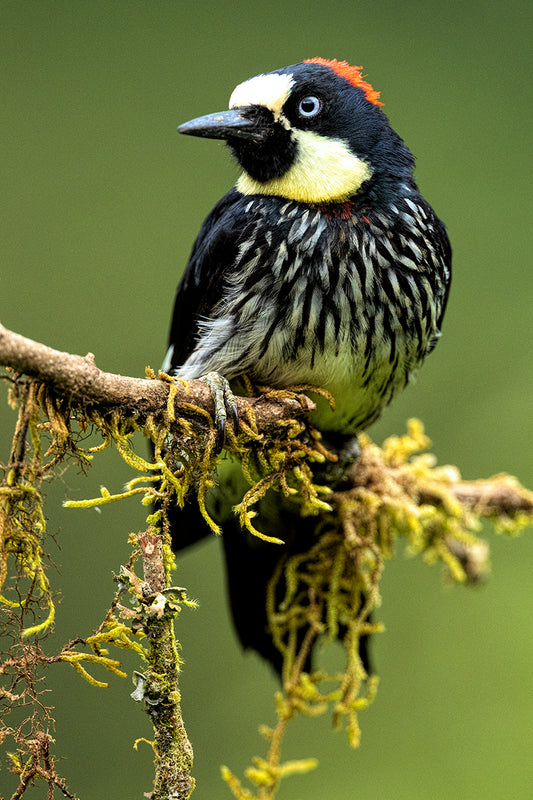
323,265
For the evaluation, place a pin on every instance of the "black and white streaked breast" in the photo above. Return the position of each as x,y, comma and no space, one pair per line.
341,297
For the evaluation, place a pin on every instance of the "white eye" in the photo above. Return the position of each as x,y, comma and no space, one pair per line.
309,106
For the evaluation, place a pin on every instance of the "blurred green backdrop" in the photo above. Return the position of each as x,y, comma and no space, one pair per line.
101,200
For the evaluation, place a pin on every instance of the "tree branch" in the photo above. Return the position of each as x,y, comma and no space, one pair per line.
501,494
78,379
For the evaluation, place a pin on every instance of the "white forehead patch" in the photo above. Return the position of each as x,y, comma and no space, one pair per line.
271,90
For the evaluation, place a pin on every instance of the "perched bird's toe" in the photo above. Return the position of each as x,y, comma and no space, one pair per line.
225,404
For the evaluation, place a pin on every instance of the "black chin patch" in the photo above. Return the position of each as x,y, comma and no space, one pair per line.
270,158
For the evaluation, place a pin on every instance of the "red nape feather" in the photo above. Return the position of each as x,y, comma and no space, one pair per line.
351,74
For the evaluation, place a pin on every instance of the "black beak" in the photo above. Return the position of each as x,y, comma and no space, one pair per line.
231,124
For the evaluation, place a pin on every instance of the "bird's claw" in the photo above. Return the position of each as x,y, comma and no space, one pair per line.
225,403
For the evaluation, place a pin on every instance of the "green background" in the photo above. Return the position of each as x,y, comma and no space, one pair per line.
101,200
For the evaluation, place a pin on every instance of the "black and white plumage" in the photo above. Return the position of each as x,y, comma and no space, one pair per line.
324,266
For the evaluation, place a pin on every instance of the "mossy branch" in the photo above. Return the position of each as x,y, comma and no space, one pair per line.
389,492
78,380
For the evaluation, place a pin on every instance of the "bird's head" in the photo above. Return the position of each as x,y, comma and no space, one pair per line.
312,132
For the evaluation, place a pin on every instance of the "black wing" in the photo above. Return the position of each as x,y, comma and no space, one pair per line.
446,255
200,288
197,293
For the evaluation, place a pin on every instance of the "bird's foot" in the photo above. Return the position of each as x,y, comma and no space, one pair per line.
225,404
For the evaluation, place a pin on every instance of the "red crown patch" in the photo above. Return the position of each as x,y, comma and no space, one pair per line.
351,74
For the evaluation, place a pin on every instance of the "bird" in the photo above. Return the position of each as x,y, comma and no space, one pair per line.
323,265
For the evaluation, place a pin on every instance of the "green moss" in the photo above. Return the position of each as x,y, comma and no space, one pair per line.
394,492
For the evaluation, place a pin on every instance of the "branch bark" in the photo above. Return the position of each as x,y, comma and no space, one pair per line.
78,379
495,496
173,750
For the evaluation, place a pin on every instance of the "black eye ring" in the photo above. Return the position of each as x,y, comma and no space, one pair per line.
309,106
